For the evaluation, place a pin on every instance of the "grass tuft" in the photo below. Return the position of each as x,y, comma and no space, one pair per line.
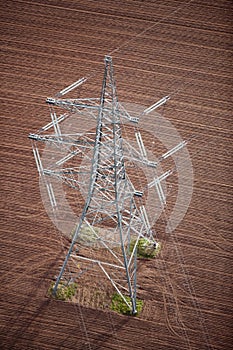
65,292
145,248
119,305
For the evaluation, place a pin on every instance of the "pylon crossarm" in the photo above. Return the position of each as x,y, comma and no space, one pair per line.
125,114
146,162
133,155
64,171
66,180
74,104
62,140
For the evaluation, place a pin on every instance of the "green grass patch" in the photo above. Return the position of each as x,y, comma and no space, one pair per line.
119,305
87,234
145,248
64,292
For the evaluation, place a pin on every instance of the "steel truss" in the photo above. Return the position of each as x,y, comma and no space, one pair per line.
111,217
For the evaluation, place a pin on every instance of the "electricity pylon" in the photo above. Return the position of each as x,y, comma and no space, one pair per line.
111,218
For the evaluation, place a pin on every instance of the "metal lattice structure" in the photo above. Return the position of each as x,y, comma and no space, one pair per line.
112,219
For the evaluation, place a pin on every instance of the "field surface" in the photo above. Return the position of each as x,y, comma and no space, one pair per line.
182,48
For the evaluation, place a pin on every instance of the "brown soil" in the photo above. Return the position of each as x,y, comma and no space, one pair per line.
187,290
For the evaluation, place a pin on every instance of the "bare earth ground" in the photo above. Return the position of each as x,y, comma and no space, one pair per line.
47,45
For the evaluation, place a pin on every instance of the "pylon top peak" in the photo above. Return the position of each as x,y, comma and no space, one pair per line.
108,58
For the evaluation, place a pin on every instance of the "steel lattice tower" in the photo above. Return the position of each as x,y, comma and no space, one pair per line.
111,220
110,199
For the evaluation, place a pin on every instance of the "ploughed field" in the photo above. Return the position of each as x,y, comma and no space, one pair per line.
185,51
